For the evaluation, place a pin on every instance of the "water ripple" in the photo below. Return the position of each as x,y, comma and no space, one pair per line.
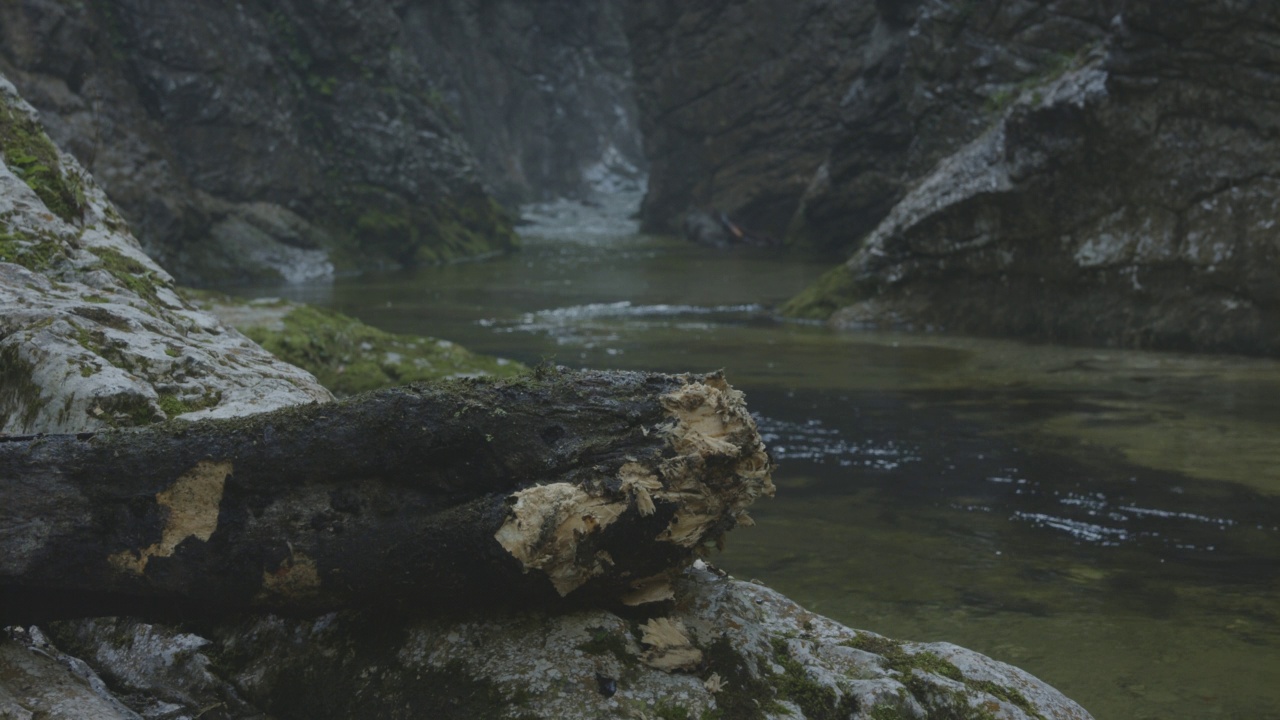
595,323
1097,520
1079,529
814,442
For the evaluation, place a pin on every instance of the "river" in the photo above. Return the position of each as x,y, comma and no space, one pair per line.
1108,520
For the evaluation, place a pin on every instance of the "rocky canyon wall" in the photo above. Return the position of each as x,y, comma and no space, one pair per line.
250,141
543,89
1092,173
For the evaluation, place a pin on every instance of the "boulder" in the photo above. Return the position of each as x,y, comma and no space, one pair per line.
94,333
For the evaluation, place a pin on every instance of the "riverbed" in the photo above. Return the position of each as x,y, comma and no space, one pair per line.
1106,519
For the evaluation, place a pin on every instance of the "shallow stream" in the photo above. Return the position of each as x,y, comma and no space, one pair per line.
1107,520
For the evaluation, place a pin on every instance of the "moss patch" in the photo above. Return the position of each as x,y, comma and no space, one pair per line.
1007,694
353,670
888,712
135,276
899,660
173,405
33,157
670,711
745,697
95,340
349,357
127,411
817,701
448,692
835,289
33,253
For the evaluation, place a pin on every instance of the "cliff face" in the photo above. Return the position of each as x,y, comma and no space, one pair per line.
543,89
1078,172
253,140
739,102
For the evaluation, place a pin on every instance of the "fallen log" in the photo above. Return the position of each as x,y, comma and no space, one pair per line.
563,486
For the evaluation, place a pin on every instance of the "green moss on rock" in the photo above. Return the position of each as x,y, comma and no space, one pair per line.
124,411
829,293
1007,694
33,157
135,276
349,357
604,642
173,405
746,696
817,701
898,659
34,253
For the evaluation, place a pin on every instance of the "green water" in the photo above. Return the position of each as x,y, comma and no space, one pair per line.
1107,520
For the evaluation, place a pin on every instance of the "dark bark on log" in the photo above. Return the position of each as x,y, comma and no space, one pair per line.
584,486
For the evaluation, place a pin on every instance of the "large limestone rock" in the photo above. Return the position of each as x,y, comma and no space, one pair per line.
92,333
1087,173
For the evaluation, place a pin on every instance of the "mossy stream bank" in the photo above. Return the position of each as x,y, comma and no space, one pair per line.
346,355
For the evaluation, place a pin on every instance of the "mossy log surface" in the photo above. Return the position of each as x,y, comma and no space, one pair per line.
557,487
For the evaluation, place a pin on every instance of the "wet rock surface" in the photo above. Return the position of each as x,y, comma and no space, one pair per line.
38,680
1075,173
